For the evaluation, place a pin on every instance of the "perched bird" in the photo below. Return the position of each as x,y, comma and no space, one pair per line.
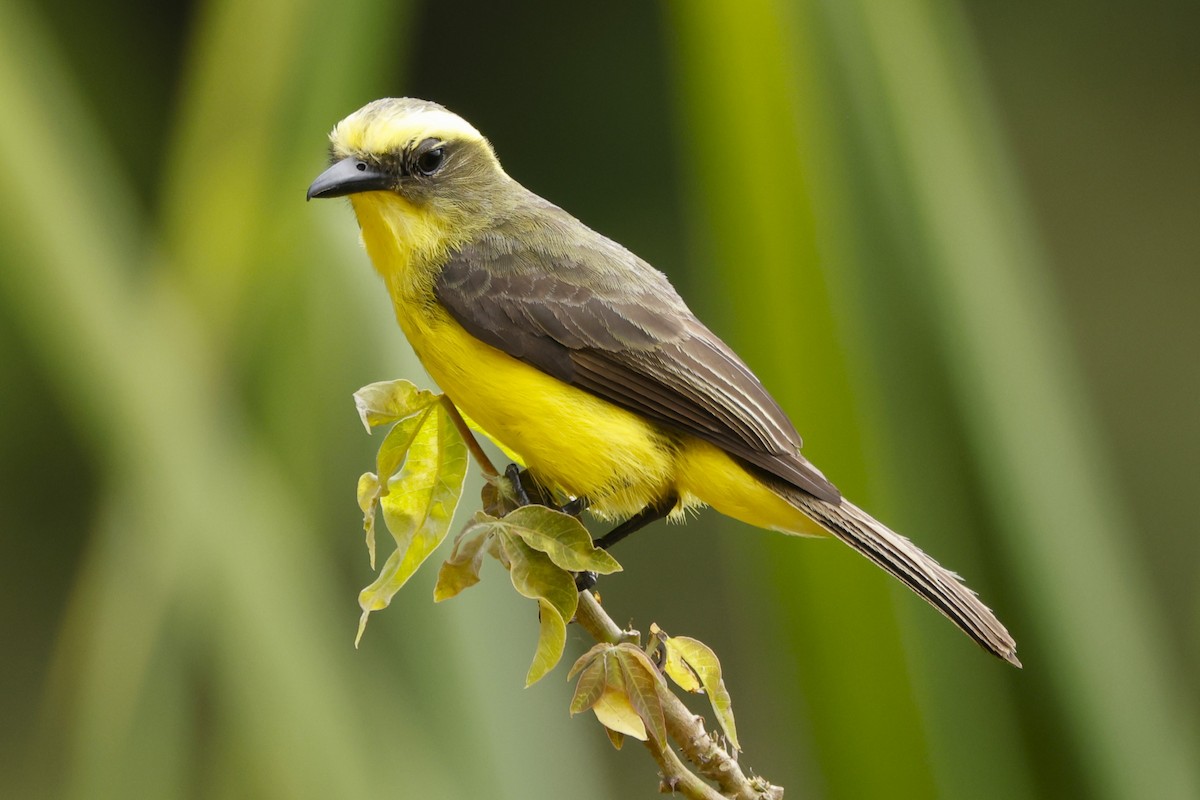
574,354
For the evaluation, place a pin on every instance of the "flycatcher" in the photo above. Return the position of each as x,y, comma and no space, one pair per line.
574,354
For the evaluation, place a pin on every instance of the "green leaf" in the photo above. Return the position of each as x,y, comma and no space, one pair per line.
590,686
642,686
615,737
461,570
703,660
560,536
419,506
377,596
387,401
535,576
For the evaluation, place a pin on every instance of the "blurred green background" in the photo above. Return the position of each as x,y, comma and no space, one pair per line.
958,240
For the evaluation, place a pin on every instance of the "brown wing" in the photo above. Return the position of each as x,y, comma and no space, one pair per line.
588,312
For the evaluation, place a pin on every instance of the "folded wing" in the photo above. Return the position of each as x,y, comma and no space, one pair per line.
583,309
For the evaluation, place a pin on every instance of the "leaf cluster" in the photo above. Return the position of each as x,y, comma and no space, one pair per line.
541,548
623,686
417,484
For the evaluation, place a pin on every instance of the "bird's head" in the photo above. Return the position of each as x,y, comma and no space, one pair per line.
407,158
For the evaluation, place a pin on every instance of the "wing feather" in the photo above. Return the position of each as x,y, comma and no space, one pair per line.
584,310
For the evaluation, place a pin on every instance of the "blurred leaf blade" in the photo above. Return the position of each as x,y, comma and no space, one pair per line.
1002,329
872,245
741,62
127,335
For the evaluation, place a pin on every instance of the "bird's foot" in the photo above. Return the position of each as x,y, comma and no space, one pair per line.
517,478
526,491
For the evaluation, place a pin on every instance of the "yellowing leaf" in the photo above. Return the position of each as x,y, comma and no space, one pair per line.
679,671
703,660
590,686
387,401
617,739
560,536
413,407
552,638
461,570
421,499
368,501
378,595
395,446
419,505
613,709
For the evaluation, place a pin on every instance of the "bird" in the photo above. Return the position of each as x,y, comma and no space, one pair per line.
582,360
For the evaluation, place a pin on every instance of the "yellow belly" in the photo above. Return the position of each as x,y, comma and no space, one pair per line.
569,439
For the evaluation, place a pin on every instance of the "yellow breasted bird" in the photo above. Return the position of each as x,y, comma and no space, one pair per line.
580,358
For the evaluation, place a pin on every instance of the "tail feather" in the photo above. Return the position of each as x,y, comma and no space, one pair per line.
903,559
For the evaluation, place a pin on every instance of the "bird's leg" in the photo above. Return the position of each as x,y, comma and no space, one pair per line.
516,477
527,491
575,507
651,513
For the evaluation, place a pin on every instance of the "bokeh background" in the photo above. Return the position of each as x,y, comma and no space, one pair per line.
959,241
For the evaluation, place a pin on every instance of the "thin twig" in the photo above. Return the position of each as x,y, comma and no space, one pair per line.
468,435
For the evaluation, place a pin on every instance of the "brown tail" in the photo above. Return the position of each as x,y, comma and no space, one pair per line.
941,587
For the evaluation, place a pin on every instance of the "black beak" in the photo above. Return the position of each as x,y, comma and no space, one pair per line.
349,176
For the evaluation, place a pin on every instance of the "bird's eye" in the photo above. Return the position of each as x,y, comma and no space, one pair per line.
430,161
